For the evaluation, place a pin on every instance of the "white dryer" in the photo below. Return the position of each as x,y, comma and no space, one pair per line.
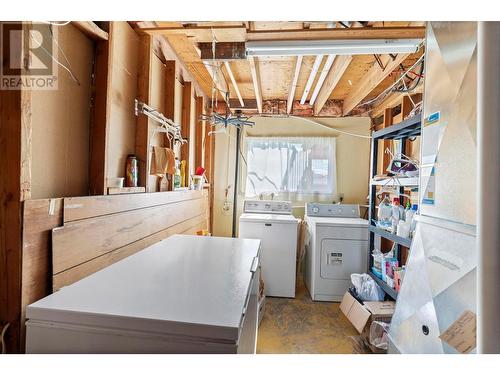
273,223
337,247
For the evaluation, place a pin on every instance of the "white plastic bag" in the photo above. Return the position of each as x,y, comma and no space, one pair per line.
378,334
366,287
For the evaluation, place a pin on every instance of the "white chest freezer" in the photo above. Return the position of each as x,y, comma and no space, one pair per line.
185,294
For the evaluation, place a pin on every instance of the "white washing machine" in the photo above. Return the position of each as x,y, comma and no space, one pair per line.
273,223
337,247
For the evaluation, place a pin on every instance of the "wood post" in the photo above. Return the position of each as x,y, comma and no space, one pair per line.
15,187
198,135
142,144
99,126
187,94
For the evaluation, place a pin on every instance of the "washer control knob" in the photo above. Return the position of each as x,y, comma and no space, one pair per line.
315,209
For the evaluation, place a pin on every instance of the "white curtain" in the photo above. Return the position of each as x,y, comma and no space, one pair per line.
291,168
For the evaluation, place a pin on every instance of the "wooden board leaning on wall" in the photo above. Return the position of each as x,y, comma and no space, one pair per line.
99,231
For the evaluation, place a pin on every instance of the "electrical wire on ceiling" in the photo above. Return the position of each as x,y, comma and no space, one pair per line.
390,88
52,23
331,127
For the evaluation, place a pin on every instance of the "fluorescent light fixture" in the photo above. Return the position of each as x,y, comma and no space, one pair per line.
332,47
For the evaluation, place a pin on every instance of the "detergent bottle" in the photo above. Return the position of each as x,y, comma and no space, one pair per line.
396,214
385,213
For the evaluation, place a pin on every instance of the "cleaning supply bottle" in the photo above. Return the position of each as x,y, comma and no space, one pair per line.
396,213
385,213
407,211
177,174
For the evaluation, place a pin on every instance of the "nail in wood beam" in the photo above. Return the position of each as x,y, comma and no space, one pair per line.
254,68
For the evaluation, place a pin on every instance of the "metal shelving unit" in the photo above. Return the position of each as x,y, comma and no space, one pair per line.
402,131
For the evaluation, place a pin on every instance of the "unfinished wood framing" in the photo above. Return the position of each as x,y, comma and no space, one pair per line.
99,126
91,29
198,132
40,216
15,186
371,80
254,68
293,84
142,138
333,77
187,94
234,83
223,51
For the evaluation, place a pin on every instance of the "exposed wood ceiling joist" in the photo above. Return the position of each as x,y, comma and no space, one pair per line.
223,51
333,77
241,34
310,80
91,29
293,84
321,79
254,68
336,34
392,100
233,82
372,78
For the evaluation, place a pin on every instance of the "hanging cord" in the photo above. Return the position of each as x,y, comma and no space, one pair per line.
2,338
332,128
387,90
39,44
52,23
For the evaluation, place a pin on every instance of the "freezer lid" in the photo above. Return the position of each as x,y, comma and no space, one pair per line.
184,285
268,218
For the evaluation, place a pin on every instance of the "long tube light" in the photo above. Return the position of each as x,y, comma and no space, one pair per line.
332,47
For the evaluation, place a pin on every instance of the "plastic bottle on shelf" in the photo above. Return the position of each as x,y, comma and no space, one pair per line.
385,213
396,213
407,216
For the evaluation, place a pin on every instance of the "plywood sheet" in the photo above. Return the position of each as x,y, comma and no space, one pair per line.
79,208
40,216
81,241
61,122
87,268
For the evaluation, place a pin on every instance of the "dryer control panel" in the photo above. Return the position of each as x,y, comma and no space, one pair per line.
267,207
332,210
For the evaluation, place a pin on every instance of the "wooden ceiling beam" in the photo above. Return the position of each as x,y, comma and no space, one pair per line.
415,32
310,80
293,84
241,34
254,68
371,80
223,51
393,99
333,77
233,81
91,29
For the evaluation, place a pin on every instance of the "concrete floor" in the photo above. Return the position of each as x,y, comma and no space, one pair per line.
300,325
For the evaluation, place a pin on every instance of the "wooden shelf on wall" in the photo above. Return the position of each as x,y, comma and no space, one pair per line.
126,190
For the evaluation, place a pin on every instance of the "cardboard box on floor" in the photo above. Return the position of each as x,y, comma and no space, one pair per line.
362,316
